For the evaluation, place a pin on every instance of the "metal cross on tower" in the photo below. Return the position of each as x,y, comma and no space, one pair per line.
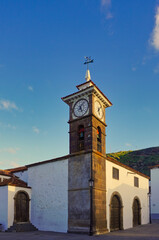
88,60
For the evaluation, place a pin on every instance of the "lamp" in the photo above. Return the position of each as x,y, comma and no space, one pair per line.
91,182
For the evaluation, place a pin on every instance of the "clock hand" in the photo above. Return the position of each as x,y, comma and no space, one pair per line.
80,109
82,103
81,106
99,109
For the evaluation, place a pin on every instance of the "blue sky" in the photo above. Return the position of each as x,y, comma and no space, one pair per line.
42,49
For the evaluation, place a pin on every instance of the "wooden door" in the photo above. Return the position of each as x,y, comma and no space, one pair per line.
22,207
136,213
115,214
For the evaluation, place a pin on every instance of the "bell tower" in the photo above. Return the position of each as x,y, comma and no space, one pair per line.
86,166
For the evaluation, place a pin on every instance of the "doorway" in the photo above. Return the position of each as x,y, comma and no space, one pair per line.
136,212
21,207
116,216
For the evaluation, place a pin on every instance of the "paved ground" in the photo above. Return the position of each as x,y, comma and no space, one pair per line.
145,232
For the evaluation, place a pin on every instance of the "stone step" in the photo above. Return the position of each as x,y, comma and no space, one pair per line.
22,227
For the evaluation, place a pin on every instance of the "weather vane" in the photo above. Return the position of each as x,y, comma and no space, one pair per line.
88,60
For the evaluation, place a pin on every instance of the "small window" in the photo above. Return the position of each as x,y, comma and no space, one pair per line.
98,134
99,148
136,182
81,132
81,137
115,173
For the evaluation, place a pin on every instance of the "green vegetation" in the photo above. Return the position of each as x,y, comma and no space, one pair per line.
140,160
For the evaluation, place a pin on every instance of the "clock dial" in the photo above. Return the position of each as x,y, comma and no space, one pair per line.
80,107
98,109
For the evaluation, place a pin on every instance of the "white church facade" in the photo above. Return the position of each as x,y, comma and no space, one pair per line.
83,192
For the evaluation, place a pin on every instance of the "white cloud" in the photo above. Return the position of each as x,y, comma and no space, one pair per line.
36,130
109,15
128,145
106,3
105,7
11,126
7,105
14,164
155,34
156,69
133,69
9,150
30,88
7,125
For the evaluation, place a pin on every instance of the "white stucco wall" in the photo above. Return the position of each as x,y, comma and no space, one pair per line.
3,207
49,207
23,175
155,193
12,190
125,187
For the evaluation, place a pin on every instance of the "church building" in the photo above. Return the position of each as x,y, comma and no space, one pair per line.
83,192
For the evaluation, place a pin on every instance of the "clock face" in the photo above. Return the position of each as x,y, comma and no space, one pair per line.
98,109
80,107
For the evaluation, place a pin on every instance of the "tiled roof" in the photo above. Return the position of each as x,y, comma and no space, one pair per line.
5,173
24,168
49,161
155,166
13,181
18,169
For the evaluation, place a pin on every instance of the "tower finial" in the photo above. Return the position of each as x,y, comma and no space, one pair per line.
88,60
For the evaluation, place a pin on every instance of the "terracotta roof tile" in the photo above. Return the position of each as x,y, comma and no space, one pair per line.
13,181
5,173
155,166
18,169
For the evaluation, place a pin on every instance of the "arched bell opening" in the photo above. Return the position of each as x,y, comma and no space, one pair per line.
99,141
81,137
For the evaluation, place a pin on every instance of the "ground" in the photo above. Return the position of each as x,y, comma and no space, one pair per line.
144,232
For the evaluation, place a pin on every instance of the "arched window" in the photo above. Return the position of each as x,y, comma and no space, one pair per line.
99,148
80,137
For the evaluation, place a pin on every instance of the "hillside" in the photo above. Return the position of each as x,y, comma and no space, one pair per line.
140,160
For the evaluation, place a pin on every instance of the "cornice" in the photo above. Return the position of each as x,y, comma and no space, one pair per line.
89,90
86,116
70,98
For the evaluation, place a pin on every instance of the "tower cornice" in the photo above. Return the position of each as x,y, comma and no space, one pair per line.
87,89
89,115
